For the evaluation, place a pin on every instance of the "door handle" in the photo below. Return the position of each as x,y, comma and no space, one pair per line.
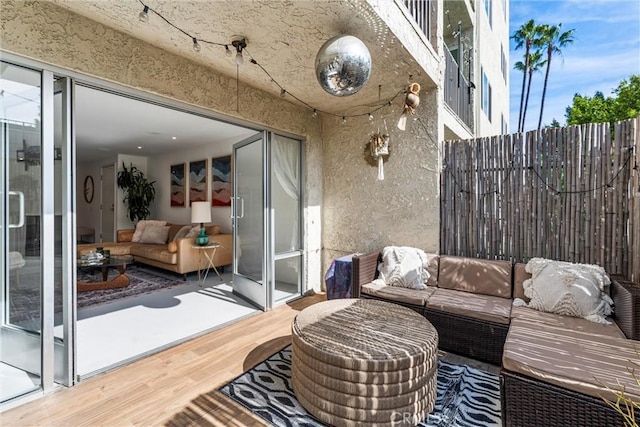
241,207
20,195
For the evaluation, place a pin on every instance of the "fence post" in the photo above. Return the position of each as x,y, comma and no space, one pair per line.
634,205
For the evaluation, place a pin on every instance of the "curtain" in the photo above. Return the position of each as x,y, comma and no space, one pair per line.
287,171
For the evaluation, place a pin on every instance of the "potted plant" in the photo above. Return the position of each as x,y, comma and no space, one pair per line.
138,192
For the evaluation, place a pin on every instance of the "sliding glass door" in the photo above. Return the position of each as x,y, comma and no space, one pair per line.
35,202
267,218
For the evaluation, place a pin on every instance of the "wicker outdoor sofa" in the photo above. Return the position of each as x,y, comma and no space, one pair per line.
542,355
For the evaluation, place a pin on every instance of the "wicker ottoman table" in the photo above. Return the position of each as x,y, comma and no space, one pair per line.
362,362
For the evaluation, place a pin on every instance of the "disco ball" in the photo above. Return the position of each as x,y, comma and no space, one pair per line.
343,65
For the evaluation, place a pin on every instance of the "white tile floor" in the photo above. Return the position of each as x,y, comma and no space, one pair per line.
112,334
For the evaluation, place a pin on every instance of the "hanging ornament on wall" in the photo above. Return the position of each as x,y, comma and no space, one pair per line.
411,102
379,148
343,65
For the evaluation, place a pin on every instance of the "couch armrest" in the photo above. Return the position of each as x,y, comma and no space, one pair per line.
626,300
125,235
192,259
364,269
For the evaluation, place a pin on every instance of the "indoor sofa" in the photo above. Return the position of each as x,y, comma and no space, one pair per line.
555,369
176,255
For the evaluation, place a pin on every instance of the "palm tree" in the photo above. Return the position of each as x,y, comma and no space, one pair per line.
535,63
526,36
553,39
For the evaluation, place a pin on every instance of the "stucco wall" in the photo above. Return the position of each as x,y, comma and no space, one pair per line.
47,33
362,214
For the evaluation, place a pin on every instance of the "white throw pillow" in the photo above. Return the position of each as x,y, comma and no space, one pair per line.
405,267
568,289
141,225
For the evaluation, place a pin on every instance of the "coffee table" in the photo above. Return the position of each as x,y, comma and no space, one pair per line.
118,262
364,362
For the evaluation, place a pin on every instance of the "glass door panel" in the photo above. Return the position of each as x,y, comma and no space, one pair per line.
286,213
249,220
20,205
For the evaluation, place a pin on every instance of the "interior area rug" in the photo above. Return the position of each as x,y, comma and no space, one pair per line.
24,300
466,396
143,280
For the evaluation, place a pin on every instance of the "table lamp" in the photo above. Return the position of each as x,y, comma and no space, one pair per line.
201,213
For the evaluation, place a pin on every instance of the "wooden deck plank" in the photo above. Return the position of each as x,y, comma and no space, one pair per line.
176,387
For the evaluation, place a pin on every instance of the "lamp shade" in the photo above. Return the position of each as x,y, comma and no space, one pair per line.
200,212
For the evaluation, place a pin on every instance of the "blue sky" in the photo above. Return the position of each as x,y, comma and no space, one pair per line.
605,51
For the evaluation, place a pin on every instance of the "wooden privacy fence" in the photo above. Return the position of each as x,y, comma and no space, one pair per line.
570,194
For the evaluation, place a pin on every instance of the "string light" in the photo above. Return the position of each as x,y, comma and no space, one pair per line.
241,47
608,186
144,15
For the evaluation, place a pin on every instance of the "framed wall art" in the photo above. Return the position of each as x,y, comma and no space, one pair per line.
178,194
221,189
198,179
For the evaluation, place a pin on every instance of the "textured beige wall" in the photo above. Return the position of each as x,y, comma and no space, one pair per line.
362,214
47,33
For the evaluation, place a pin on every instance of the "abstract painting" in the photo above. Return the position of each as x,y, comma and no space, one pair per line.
198,181
221,172
177,186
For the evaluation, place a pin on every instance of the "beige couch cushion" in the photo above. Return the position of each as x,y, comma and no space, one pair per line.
574,360
477,306
159,253
530,315
434,263
519,276
396,293
478,276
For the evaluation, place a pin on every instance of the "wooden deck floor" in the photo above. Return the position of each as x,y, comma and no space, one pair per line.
177,387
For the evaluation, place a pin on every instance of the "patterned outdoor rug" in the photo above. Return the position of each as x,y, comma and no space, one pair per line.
466,396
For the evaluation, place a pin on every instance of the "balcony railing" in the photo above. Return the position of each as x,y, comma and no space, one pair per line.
425,14
457,90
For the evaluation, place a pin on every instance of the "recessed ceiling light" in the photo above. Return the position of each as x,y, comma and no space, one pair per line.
139,147
174,137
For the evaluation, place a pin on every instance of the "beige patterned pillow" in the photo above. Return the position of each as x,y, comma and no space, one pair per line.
405,267
182,233
141,225
568,289
155,234
195,231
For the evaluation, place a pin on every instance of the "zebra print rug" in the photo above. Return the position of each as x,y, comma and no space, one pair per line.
466,396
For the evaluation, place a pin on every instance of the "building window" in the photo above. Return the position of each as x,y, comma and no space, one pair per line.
486,95
487,8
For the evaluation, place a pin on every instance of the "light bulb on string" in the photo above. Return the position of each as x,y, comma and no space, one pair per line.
239,58
315,113
370,117
227,51
144,15
196,45
344,120
283,92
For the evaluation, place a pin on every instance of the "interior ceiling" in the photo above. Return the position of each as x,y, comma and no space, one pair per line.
108,124
283,36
